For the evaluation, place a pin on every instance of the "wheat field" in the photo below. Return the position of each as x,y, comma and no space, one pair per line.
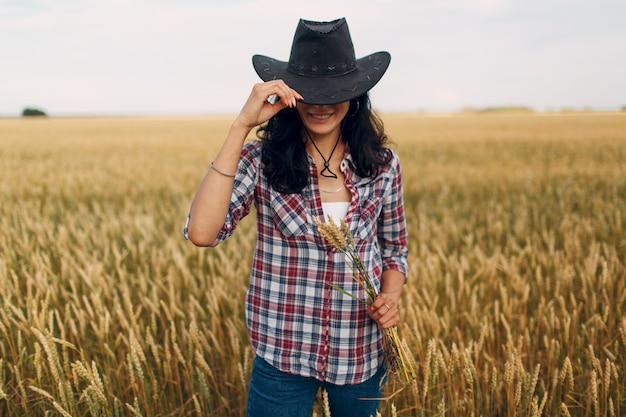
516,296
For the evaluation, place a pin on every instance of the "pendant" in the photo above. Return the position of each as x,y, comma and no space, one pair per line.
326,172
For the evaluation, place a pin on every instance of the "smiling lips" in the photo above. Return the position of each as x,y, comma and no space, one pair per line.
320,116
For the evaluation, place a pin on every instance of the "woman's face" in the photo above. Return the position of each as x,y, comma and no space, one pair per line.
323,120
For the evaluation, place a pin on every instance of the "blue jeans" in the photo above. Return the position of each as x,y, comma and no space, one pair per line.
276,394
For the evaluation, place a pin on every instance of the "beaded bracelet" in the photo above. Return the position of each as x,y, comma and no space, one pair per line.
221,172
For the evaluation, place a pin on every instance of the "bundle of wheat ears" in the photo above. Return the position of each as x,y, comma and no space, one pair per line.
398,359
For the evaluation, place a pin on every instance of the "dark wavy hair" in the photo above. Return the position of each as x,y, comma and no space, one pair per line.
284,149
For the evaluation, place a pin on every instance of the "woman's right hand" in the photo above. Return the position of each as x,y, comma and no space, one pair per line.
258,110
211,202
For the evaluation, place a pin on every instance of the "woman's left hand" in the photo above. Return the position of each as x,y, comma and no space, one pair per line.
384,310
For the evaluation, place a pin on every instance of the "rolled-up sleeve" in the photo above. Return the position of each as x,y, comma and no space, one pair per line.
392,228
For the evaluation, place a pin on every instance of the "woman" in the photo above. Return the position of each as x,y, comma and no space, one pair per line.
321,154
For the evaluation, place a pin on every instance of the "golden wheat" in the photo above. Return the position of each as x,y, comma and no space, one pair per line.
516,295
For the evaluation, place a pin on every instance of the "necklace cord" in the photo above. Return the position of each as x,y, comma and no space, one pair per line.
326,172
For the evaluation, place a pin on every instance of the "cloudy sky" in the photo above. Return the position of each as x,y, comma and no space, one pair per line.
83,57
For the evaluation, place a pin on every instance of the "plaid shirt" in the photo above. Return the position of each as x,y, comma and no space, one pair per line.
297,321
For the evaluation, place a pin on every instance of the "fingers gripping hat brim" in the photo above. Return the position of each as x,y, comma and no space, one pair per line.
326,89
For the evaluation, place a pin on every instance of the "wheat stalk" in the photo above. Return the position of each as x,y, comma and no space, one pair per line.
325,404
398,358
3,394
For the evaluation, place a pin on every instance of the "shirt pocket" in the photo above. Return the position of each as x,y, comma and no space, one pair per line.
368,218
289,214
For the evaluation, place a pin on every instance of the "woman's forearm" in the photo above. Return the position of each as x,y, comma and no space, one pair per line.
392,283
210,204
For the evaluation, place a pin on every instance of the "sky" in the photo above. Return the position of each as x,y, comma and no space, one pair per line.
193,57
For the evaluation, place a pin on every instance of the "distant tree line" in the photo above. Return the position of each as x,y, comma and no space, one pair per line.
500,109
33,112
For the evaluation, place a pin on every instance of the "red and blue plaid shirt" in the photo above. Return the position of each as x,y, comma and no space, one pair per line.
297,321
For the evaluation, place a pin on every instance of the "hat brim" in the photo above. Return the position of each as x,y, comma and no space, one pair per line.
326,90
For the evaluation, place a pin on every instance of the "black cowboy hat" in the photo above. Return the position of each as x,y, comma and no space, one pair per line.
322,66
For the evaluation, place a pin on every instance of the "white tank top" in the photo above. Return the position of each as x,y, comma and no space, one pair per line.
336,210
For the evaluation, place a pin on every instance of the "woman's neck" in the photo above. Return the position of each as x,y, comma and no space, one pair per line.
325,144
